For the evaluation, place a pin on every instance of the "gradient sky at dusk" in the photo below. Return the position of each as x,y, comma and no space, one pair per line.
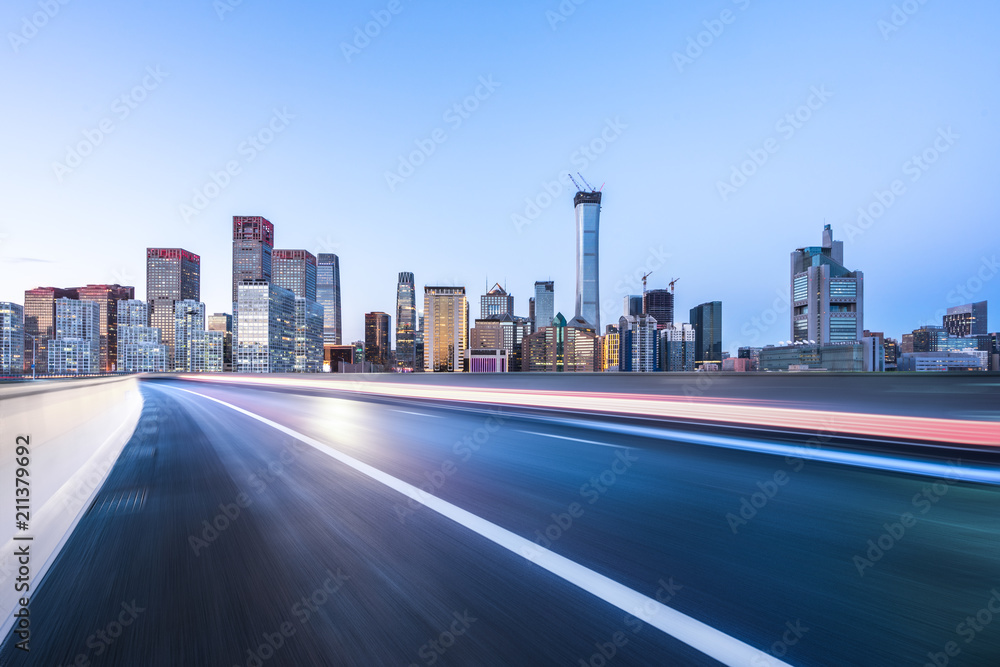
322,181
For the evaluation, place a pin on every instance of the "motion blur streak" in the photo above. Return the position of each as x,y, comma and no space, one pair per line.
708,640
729,411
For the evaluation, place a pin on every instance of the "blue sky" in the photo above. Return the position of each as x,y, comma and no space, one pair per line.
556,80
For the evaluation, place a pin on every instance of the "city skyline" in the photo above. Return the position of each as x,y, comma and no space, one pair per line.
664,134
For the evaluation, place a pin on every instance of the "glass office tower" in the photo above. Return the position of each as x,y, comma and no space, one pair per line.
406,322
545,304
328,294
588,222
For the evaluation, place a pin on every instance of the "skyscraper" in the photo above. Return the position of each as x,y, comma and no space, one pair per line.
223,322
265,332
406,322
706,319
632,305
295,270
140,346
328,294
545,304
504,332
639,344
561,347
967,320
660,304
377,341
39,325
172,275
107,298
588,221
76,348
253,244
827,298
189,323
496,303
11,338
308,336
446,329
677,346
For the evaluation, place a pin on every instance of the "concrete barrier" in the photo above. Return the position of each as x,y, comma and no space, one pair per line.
75,429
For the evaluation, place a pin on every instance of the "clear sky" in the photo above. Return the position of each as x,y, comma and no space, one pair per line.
200,77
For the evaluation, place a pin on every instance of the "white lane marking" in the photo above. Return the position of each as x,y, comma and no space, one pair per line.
714,643
563,437
419,414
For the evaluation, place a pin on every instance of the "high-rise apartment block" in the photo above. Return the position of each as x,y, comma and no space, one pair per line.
677,348
639,344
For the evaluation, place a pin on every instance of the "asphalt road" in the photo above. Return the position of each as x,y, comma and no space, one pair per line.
219,540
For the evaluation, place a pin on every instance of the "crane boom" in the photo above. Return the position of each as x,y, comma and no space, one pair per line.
585,182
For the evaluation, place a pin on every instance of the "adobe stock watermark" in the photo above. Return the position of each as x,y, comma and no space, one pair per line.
454,116
968,629
435,648
220,523
915,167
31,24
565,9
363,35
273,642
223,7
121,108
463,450
894,532
697,44
591,491
247,151
767,490
899,17
635,622
579,160
104,637
787,126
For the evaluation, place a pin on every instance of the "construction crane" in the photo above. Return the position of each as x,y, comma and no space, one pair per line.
586,183
672,284
644,281
578,188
